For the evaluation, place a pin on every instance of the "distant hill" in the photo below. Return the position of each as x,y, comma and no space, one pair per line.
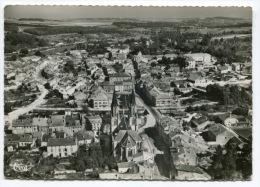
31,19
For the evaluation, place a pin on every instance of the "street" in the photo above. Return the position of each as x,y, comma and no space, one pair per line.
163,161
23,110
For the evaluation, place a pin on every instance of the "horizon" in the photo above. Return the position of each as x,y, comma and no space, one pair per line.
95,12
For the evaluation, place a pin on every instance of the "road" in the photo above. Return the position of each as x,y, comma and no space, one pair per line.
151,117
23,110
163,161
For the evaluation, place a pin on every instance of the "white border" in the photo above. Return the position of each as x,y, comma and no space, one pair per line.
255,4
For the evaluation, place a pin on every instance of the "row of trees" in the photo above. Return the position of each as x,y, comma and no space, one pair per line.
47,30
229,95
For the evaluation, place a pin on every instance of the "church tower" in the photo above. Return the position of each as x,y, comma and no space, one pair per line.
114,112
114,105
132,112
132,104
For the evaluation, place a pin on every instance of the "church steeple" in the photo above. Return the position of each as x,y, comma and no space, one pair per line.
132,104
132,98
114,105
114,99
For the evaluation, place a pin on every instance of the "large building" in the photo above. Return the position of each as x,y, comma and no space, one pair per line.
119,77
123,113
62,147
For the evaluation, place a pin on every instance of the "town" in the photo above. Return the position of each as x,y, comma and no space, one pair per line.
128,100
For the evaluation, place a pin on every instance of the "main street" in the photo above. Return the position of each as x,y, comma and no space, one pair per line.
163,161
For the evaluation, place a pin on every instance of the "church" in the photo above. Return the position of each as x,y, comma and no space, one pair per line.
124,114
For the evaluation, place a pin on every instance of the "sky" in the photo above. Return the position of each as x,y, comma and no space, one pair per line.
72,12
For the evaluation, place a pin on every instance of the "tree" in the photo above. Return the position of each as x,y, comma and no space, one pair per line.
118,67
24,51
13,57
110,56
181,61
85,109
47,85
38,53
69,66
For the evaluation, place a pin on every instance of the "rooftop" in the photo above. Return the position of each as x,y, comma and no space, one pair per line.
61,142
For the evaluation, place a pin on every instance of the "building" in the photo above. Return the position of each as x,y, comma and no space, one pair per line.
247,68
72,124
23,126
129,69
162,99
126,144
236,67
62,147
42,124
57,123
219,135
84,137
166,125
101,101
119,77
191,62
93,123
200,57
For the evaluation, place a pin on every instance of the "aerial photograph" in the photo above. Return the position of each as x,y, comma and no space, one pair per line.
127,93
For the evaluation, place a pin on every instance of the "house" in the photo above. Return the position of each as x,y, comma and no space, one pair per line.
141,157
11,142
191,62
200,57
218,134
119,77
84,137
236,67
174,68
129,69
223,69
26,141
126,144
247,68
228,120
182,153
200,123
124,86
166,125
244,133
72,124
93,123
198,80
62,147
161,99
23,126
42,124
101,101
121,57
57,123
